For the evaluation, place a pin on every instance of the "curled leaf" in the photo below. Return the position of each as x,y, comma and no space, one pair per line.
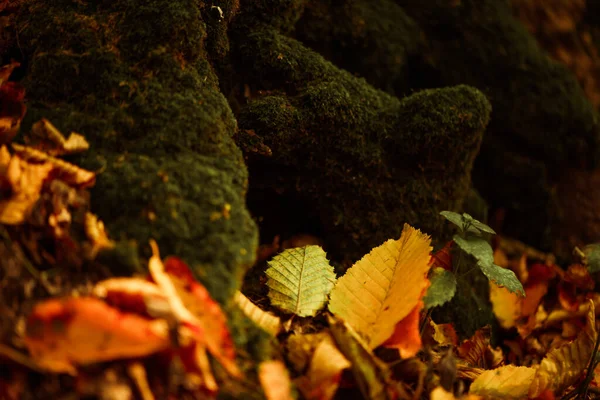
564,365
267,321
58,145
384,286
300,279
65,171
191,303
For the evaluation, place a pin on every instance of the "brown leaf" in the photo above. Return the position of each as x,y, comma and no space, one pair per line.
564,365
325,372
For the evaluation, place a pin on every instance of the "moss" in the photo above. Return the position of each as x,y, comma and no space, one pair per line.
373,39
366,161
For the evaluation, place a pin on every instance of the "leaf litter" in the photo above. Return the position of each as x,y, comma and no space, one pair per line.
157,333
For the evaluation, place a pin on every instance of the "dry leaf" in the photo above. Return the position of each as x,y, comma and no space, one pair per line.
371,374
564,365
67,172
133,295
58,145
299,280
506,305
384,286
267,321
477,351
301,347
275,380
407,336
191,303
444,334
96,234
325,371
62,334
508,382
25,181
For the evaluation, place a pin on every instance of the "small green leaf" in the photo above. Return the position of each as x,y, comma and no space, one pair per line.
442,289
480,225
300,280
592,256
455,218
482,251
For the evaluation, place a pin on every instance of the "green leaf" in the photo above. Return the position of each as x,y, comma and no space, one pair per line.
482,251
300,280
442,289
455,218
479,225
592,255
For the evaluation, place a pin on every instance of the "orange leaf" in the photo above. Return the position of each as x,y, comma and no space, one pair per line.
407,335
443,257
62,334
275,380
191,303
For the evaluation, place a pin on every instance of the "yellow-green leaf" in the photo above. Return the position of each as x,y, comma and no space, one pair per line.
384,286
299,280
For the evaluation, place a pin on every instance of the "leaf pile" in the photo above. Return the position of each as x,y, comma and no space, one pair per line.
369,332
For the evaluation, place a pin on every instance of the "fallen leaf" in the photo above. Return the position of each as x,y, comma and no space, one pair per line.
65,171
191,303
444,334
478,352
383,287
275,380
299,280
406,337
507,382
325,372
25,180
45,132
564,365
64,333
267,321
371,374
301,347
12,107
506,305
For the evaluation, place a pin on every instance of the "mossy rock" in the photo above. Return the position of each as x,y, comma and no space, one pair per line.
359,162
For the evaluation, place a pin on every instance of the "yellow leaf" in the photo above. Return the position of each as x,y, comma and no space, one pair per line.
275,380
25,180
325,371
300,280
508,382
47,132
506,305
267,321
384,286
564,365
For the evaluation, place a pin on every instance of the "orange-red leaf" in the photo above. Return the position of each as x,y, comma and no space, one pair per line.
62,334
